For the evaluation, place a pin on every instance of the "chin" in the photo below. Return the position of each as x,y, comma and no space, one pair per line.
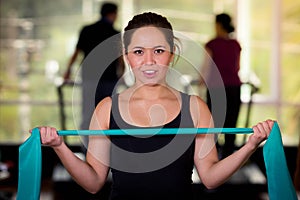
151,84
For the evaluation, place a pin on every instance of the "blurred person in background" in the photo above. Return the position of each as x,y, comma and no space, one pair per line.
224,52
91,36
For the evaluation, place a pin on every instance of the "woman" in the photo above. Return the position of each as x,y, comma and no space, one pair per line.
138,164
224,51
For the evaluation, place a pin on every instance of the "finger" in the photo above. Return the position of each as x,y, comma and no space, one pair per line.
261,130
259,127
266,126
255,129
53,132
267,129
48,135
42,134
270,123
42,130
45,133
48,132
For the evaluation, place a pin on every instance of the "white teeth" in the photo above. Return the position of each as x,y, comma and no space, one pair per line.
150,71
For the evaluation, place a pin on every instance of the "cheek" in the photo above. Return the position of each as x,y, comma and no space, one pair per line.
164,60
134,61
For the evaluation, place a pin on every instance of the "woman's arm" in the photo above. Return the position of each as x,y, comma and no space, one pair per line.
213,172
92,173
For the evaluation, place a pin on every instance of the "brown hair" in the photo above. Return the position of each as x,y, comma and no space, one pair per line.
149,19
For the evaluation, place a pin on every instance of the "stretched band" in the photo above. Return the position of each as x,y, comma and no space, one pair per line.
157,131
280,185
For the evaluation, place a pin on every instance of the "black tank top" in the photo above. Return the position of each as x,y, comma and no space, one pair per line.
154,167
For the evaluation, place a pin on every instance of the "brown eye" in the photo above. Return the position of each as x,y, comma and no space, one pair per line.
159,51
138,52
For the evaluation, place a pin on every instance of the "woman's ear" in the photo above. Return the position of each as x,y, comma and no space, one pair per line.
171,60
125,56
172,57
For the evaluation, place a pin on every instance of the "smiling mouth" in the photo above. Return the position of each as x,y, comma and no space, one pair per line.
150,73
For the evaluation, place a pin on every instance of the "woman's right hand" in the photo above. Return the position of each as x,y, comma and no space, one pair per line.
50,137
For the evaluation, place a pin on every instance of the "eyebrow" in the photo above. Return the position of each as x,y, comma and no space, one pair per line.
155,47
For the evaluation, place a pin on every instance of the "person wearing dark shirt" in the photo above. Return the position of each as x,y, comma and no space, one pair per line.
95,88
224,52
151,166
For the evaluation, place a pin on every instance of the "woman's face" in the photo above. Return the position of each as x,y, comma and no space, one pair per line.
149,56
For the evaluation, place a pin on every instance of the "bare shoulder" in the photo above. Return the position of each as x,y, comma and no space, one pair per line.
103,108
104,103
199,112
197,101
101,116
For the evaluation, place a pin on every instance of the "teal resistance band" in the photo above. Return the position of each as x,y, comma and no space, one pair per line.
156,131
30,157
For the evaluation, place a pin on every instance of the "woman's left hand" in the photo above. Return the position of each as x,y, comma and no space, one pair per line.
261,132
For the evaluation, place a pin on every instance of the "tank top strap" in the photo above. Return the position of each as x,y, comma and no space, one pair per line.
115,113
114,99
185,111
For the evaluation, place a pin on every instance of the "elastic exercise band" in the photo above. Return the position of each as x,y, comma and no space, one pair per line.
156,131
280,185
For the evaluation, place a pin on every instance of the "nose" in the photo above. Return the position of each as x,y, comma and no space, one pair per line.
149,57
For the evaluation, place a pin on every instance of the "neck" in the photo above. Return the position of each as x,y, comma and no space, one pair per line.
223,34
150,92
220,32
